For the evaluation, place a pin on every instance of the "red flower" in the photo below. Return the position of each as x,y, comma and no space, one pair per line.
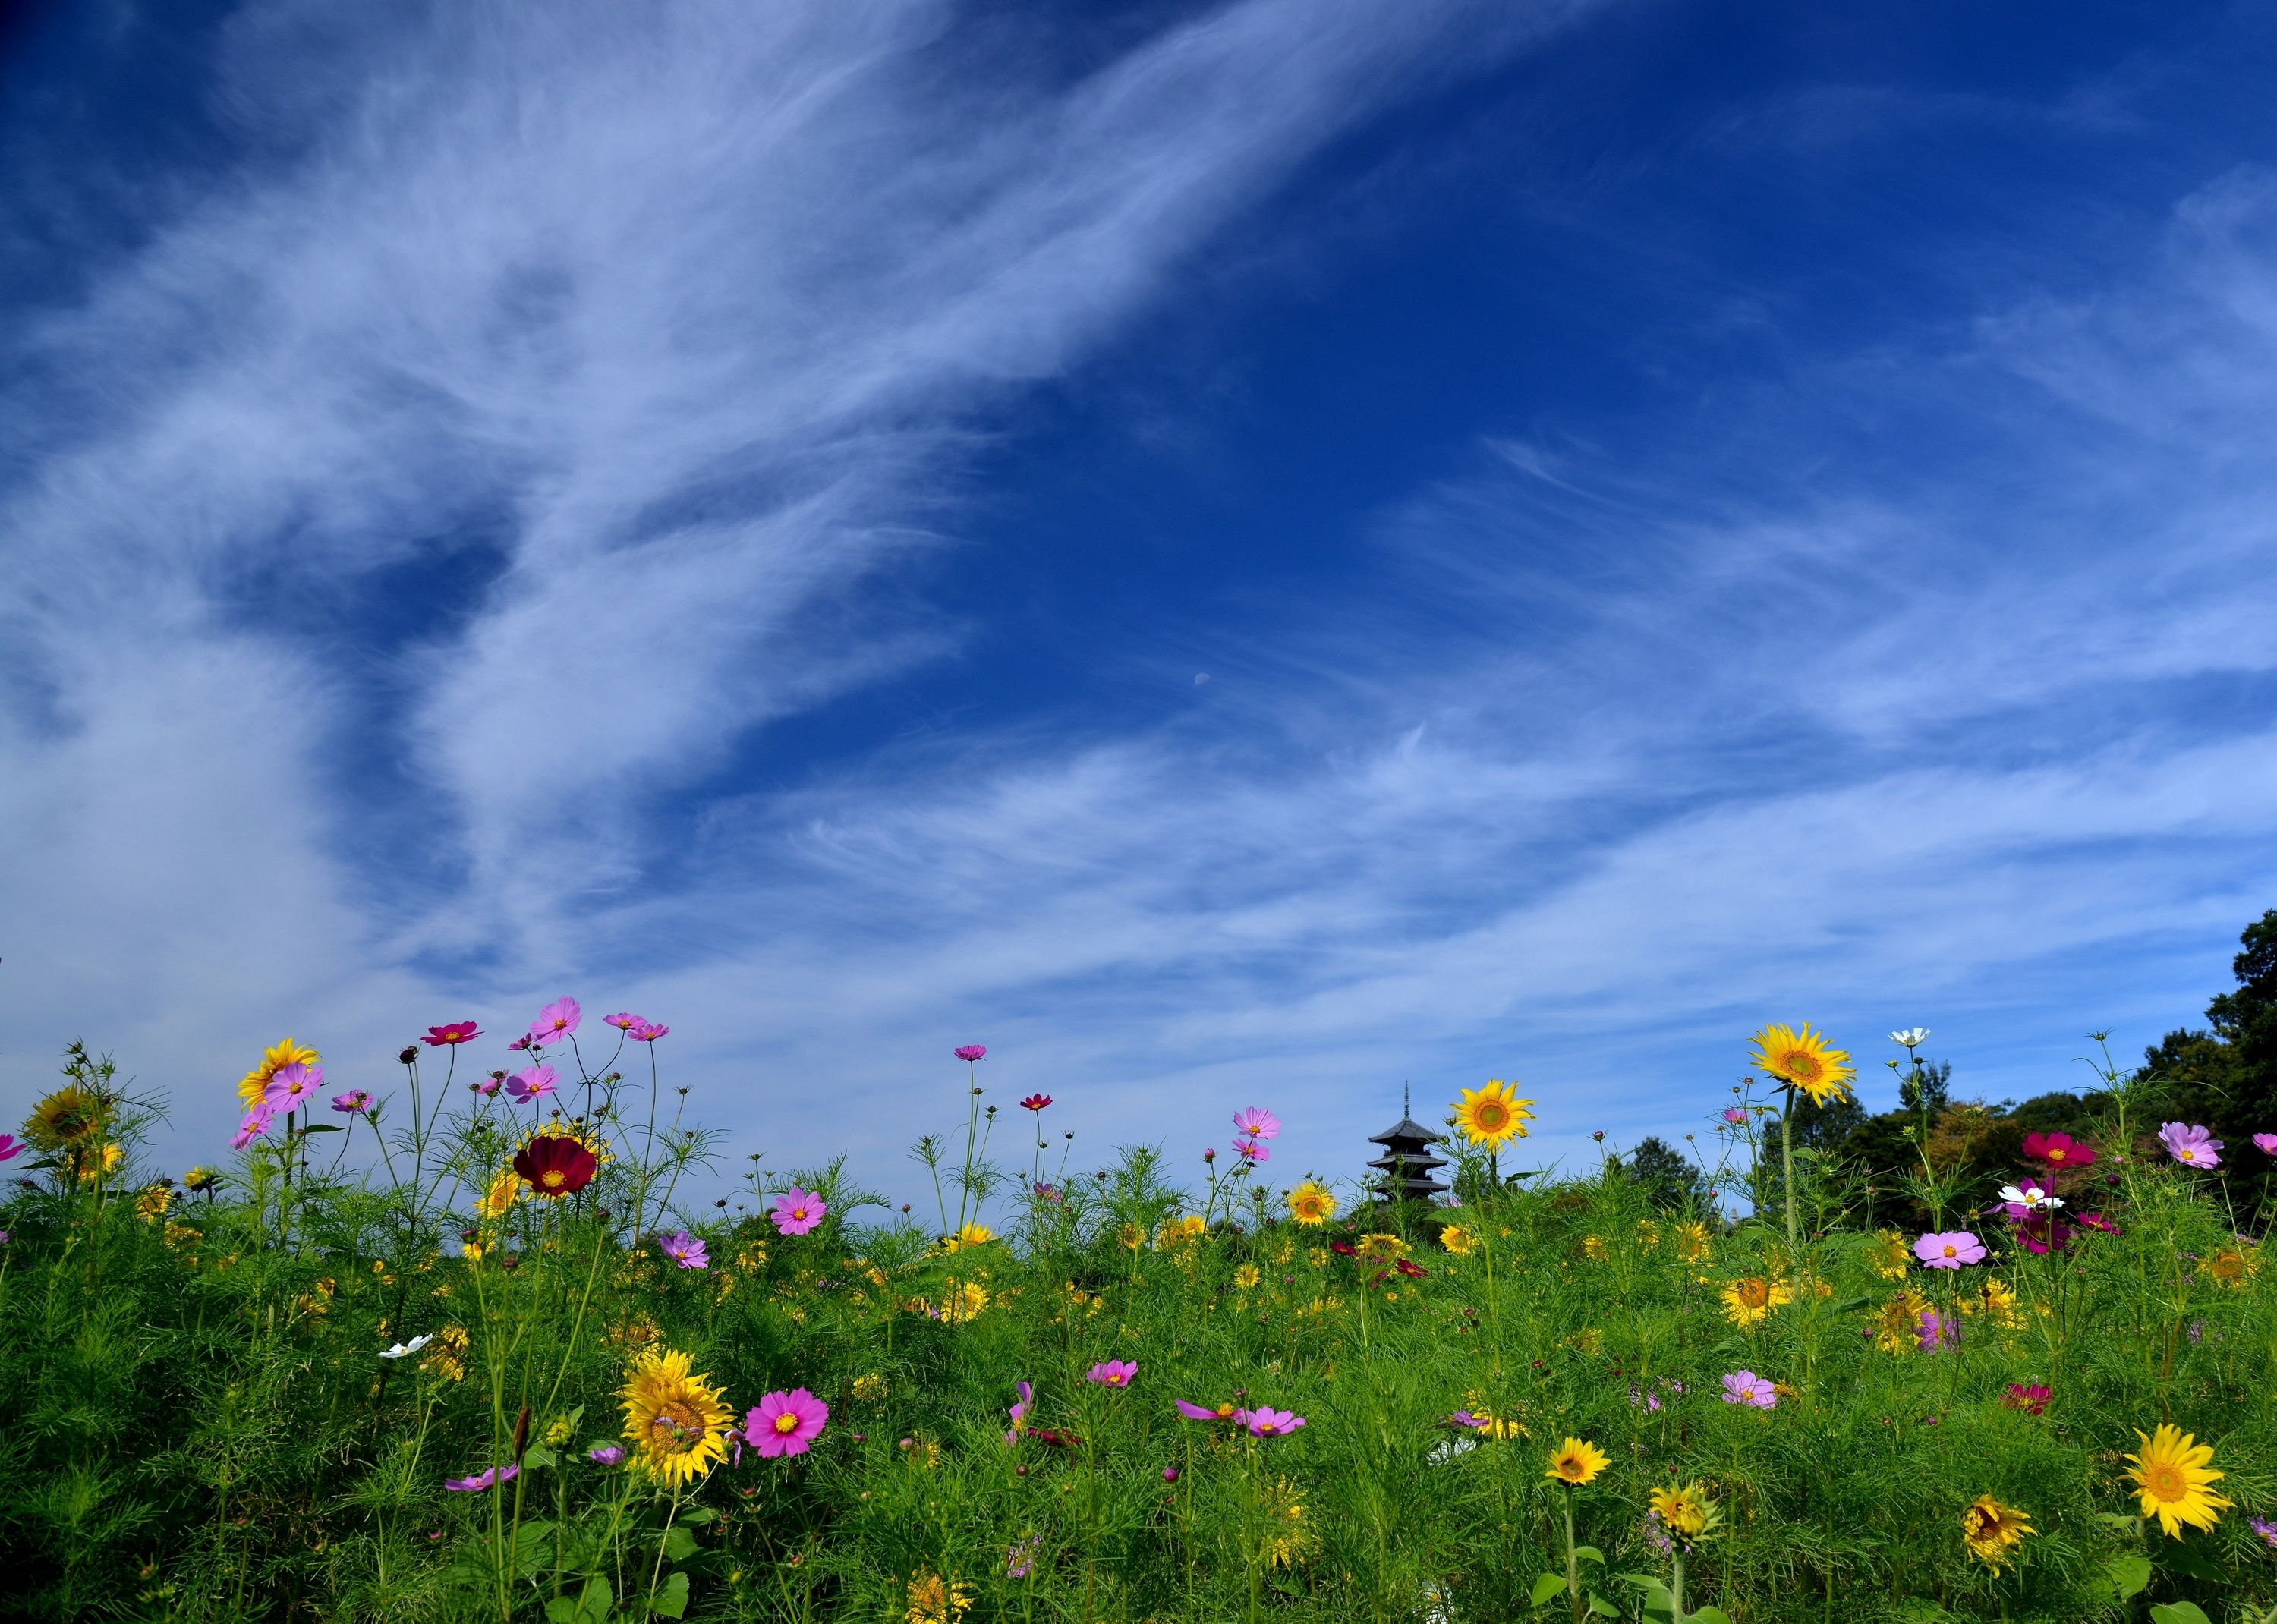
554,1165
1036,1102
457,1032
1342,1248
1413,1270
2058,1150
2034,1398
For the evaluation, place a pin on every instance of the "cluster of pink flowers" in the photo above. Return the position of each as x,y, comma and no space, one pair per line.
640,1030
293,1088
1263,1421
1252,1126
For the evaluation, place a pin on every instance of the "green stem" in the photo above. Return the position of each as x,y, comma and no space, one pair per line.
1787,1163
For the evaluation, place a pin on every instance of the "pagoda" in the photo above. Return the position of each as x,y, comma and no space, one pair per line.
1407,1162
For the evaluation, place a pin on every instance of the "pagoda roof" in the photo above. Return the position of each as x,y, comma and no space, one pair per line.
1423,1160
1406,1128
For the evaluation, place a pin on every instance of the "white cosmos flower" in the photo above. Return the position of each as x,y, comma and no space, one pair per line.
2030,1201
404,1350
1910,1037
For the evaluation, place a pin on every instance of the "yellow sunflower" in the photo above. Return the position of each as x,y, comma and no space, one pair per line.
1575,1462
2171,1476
1492,1114
1176,1231
1893,1256
1804,1060
1687,1512
677,1423
1310,1204
1691,1242
1755,1298
971,1234
498,1200
1992,1530
67,1119
1458,1240
1897,1322
1246,1275
255,1083
104,1165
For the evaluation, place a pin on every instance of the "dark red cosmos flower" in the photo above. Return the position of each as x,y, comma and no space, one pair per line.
1052,1439
1036,1102
2058,1150
1342,1248
2033,1398
1413,1270
554,1165
457,1032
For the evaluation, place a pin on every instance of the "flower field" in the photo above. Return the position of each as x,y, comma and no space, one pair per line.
465,1347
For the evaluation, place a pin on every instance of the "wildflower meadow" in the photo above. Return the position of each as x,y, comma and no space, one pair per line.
462,1344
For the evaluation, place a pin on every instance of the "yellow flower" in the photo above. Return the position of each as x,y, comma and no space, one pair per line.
199,1179
1458,1240
498,1200
1648,1234
1892,1255
1380,1249
558,1433
182,1235
1691,1242
1310,1204
1287,1539
963,1303
102,1167
1131,1236
971,1234
151,1205
1176,1231
869,1389
1687,1512
935,1601
1246,1275
1995,1301
1897,1322
447,1357
635,1333
255,1083
67,1119
1492,1114
1575,1462
677,1423
471,1250
2230,1268
1804,1060
1992,1530
2171,1476
1591,1341
1593,1247
1749,1301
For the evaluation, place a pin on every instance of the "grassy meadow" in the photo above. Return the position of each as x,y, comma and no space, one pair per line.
466,1349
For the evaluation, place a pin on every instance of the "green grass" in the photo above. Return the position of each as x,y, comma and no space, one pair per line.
198,1423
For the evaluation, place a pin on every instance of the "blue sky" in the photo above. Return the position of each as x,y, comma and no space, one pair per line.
1237,554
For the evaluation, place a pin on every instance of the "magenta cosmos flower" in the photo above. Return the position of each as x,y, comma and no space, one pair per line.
623,1021
1019,1412
1734,1115
646,1032
2030,1397
485,1480
1949,1250
2191,1144
785,1423
2267,1143
684,1249
256,1124
1264,1421
1252,1151
535,1083
354,1103
556,1020
293,1087
1256,1122
970,1052
457,1032
11,1147
1112,1372
1746,1387
797,1211
2058,1150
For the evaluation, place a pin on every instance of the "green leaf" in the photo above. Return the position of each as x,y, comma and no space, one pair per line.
2178,1613
1602,1608
672,1600
1589,1553
1707,1615
561,1610
2192,1564
322,1127
591,1605
1852,1306
1546,1587
679,1544
699,1514
537,1455
2128,1575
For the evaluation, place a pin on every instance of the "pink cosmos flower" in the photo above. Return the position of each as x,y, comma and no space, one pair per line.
491,1084
2267,1143
785,1423
797,1211
1019,1413
1938,1331
2032,1398
1202,1412
487,1480
2058,1150
1264,1421
606,1454
1256,1122
558,1018
535,1083
970,1052
354,1103
457,1032
1734,1115
520,1043
1746,1387
1949,1250
647,1032
256,1124
1252,1151
2096,1221
1020,1555
293,1087
11,1147
623,1021
2044,1235
2263,1527
2191,1144
1112,1372
684,1249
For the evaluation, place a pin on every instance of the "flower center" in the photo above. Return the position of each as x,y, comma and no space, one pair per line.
554,1178
1492,1116
787,1422
2164,1480
1802,1065
2055,1153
